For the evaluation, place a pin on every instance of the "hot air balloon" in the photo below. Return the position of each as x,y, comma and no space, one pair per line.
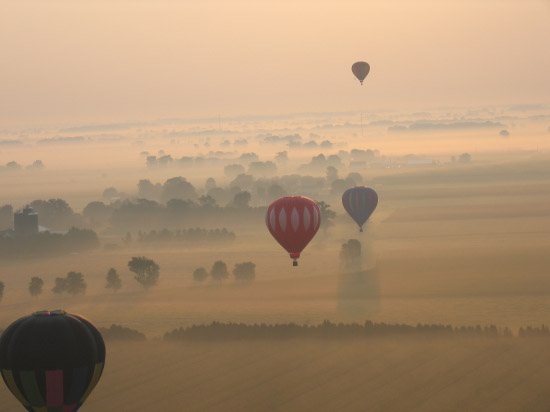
360,70
360,202
51,361
293,221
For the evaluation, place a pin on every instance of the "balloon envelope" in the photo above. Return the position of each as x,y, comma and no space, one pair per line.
293,221
51,361
360,70
360,202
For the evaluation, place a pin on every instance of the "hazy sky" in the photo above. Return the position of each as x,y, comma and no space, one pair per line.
79,61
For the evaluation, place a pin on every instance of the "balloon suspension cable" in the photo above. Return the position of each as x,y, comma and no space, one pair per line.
294,262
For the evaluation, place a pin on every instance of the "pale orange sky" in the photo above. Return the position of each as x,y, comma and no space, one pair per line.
81,61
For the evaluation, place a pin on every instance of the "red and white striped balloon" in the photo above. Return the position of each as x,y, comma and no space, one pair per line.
293,221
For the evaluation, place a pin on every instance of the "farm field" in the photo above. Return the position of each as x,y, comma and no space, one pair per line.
382,374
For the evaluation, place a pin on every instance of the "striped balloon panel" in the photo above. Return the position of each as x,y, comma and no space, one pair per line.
360,203
52,390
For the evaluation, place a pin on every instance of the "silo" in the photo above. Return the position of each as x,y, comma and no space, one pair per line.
25,222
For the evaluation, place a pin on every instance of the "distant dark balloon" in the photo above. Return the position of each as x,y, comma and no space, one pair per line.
51,361
360,70
293,221
360,202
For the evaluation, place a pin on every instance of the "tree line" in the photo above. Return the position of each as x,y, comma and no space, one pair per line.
177,203
243,272
196,235
48,244
146,272
328,330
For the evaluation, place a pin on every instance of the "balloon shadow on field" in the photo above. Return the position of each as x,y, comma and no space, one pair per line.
358,283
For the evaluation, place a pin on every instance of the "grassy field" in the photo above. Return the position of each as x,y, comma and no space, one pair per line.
376,375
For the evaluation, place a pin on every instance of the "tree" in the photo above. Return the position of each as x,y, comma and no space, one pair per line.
281,157
110,193
129,213
241,200
355,178
179,206
54,213
219,194
178,188
249,157
148,190
200,274
339,186
2,287
207,202
234,170
81,239
262,168
242,181
59,286
113,280
210,184
35,286
98,213
275,191
327,215
164,160
73,283
36,165
219,271
13,165
146,271
332,174
151,161
244,272
465,158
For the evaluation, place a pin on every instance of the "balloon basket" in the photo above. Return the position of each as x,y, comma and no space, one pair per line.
294,263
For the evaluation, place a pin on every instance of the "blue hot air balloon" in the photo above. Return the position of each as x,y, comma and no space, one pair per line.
360,202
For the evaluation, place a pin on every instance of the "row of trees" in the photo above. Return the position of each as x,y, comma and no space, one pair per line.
48,244
328,330
531,332
243,272
197,235
146,272
13,165
252,160
145,215
118,332
325,330
160,205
